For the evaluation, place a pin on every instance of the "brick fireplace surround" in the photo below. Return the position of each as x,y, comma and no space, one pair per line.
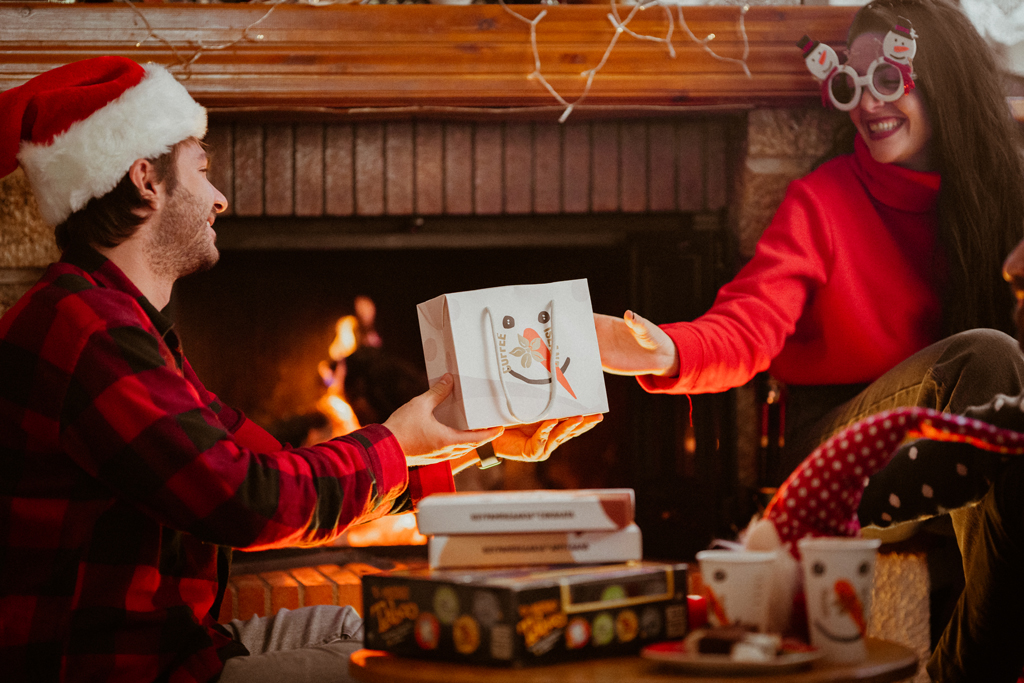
416,172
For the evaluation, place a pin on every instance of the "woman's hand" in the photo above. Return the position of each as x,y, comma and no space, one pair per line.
426,441
632,345
535,442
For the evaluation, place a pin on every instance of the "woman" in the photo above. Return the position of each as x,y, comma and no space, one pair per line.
873,257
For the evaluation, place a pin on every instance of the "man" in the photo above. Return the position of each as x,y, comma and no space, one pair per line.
123,478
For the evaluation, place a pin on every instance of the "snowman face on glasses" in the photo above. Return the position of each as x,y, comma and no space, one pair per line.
900,45
821,60
887,75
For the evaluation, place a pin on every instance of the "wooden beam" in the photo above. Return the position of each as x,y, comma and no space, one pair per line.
342,60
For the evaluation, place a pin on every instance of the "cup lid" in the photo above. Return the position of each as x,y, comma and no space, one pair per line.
838,543
736,555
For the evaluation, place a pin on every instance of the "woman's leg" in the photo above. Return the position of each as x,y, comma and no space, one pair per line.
984,640
964,370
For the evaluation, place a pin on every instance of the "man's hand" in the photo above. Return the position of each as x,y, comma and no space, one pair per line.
632,345
535,442
426,441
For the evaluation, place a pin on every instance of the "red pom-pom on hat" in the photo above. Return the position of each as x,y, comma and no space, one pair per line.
77,129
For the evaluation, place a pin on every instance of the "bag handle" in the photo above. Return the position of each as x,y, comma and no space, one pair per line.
553,367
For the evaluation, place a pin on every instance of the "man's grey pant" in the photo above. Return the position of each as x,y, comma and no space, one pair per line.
310,644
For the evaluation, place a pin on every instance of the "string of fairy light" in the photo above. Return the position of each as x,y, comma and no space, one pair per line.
200,47
621,26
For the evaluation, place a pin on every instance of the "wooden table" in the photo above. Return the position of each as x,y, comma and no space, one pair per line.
887,662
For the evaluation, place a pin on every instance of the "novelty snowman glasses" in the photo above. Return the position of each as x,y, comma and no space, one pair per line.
888,77
883,80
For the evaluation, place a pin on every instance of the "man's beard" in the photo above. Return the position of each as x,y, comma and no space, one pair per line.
179,245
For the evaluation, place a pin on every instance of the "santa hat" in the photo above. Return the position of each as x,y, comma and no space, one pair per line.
77,129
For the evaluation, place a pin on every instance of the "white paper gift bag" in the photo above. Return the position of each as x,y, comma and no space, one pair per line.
499,343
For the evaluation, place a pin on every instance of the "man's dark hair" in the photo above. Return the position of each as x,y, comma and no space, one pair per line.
109,220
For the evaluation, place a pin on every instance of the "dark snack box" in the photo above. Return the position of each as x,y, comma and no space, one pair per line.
524,615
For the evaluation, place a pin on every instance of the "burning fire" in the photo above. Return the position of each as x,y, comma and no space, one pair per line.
391,530
351,331
333,403
337,409
345,341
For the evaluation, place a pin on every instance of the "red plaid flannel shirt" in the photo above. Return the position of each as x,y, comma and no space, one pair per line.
122,478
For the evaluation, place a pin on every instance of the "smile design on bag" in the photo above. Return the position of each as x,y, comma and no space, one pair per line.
532,347
525,353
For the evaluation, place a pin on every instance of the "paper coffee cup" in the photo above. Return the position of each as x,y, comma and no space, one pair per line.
739,584
838,577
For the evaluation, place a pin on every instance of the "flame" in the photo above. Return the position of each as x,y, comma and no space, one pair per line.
345,338
333,403
385,531
390,530
343,418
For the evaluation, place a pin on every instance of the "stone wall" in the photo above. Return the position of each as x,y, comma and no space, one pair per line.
782,144
26,242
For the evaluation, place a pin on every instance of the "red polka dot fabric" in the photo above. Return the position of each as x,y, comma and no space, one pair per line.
821,497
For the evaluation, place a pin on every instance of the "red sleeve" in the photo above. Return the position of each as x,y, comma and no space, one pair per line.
753,314
228,485
436,478
247,433
252,436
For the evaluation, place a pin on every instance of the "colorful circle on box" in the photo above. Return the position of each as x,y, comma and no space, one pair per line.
428,631
626,625
486,608
577,633
603,629
466,634
613,592
650,622
446,604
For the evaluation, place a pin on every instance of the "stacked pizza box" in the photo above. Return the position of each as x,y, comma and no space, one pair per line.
516,528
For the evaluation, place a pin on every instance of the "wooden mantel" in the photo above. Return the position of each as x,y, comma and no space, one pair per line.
351,60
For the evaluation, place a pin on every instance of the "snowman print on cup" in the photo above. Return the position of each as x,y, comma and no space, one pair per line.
838,578
841,617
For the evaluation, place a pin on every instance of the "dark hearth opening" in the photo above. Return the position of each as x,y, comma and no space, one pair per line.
256,326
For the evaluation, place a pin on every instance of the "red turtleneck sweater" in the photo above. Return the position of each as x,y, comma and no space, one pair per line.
844,284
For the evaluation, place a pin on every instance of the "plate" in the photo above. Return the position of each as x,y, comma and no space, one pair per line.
675,654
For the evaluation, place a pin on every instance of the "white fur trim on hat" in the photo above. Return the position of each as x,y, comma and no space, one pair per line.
93,154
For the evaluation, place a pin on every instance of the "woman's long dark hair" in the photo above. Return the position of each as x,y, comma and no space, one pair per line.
975,146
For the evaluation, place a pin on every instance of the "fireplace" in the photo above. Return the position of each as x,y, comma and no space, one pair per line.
356,168
402,212
357,162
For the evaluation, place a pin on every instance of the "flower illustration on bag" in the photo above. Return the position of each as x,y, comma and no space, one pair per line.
532,347
528,351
